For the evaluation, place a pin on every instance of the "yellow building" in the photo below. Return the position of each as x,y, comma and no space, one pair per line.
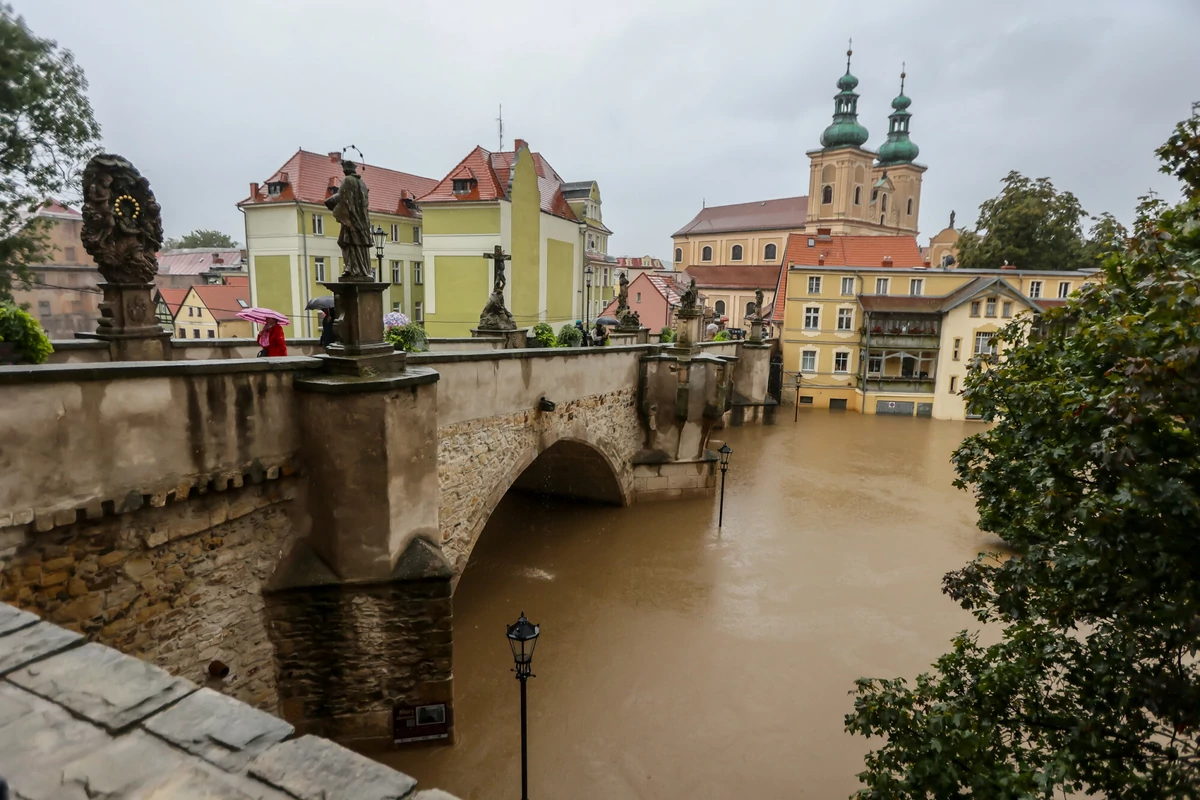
209,311
867,327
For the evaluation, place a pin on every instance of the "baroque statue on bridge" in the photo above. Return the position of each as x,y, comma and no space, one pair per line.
350,209
495,316
758,304
688,300
122,222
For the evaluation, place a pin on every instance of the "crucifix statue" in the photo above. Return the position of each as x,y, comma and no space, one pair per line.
495,316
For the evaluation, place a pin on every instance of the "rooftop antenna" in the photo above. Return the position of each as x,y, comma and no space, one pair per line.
500,122
849,52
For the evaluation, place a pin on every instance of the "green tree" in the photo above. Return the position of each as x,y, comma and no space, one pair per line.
201,238
1107,236
47,134
1091,471
1029,224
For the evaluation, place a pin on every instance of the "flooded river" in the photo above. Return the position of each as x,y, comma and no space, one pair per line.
677,660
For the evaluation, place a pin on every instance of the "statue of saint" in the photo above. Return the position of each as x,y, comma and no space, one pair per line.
758,301
951,219
623,296
687,301
350,209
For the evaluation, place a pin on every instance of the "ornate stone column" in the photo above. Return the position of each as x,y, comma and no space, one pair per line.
128,324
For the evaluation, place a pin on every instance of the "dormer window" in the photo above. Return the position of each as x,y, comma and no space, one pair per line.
275,188
463,185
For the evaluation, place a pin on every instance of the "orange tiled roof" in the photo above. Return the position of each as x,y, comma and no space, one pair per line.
761,215
493,180
223,302
173,298
853,251
735,277
309,176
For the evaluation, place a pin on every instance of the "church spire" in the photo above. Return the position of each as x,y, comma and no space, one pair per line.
845,130
899,149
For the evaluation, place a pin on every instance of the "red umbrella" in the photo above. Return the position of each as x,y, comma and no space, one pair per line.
261,315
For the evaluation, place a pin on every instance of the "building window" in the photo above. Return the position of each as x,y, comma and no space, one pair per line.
845,319
396,307
678,255
736,253
190,313
719,308
883,203
814,284
182,333
769,252
591,243
910,206
212,334
841,362
416,234
916,286
1035,289
812,318
983,344
881,219
44,308
319,269
858,195
639,297
69,254
1064,289
874,195
874,364
881,285
706,253
195,333
1007,312
750,309
808,361
991,307
847,286
318,225
806,400
463,185
974,308
395,232
957,348
827,194
397,272
417,273
953,384
418,311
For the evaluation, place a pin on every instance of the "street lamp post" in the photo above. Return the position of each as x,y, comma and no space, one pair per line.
587,281
724,451
522,638
379,239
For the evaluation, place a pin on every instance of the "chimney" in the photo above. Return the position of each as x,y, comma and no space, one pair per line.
216,259
821,260
887,261
519,143
254,190
335,157
1007,265
283,177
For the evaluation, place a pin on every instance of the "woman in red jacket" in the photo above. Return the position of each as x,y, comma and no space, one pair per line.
271,340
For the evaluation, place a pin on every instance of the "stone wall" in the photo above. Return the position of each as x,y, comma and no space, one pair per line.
479,459
179,586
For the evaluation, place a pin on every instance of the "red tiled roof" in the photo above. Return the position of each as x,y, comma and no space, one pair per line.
780,303
853,251
237,280
645,262
667,287
222,301
783,213
309,176
493,178
735,277
173,298
53,208
195,260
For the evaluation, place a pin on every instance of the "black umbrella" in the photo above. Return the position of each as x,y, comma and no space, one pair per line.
608,320
323,303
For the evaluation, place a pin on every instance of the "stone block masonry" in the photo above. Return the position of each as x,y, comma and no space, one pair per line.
82,720
179,586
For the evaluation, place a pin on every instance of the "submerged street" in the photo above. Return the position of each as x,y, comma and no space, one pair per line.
677,660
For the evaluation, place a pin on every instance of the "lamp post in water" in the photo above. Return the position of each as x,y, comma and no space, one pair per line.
522,638
725,452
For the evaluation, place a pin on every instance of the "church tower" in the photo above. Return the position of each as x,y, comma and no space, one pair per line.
896,189
840,172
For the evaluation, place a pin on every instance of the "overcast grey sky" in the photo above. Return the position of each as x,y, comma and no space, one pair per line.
664,102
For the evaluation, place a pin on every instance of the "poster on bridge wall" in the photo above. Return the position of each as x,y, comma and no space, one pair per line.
420,723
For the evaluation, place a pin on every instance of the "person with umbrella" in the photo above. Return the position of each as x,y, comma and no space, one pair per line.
324,304
270,338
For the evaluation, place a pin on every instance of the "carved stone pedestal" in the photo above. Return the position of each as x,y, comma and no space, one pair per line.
358,324
128,324
689,328
641,335
756,329
513,340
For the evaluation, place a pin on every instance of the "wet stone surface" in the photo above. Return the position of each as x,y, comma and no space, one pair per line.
311,768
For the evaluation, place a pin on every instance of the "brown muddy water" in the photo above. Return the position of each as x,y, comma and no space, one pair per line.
677,660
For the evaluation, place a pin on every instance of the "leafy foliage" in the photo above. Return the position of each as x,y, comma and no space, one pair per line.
18,327
722,336
543,335
411,337
47,133
201,238
1091,471
569,336
1106,237
666,335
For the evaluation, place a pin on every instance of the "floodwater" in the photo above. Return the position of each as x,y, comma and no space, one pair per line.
677,660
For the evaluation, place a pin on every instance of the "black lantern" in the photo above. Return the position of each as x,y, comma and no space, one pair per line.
380,238
522,638
587,275
587,312
724,452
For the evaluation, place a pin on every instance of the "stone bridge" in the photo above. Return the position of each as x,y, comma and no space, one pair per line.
292,538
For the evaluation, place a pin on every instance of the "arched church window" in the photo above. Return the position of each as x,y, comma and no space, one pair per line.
750,309
769,252
883,206
827,194
719,308
678,254
736,254
910,206
881,219
858,195
706,254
